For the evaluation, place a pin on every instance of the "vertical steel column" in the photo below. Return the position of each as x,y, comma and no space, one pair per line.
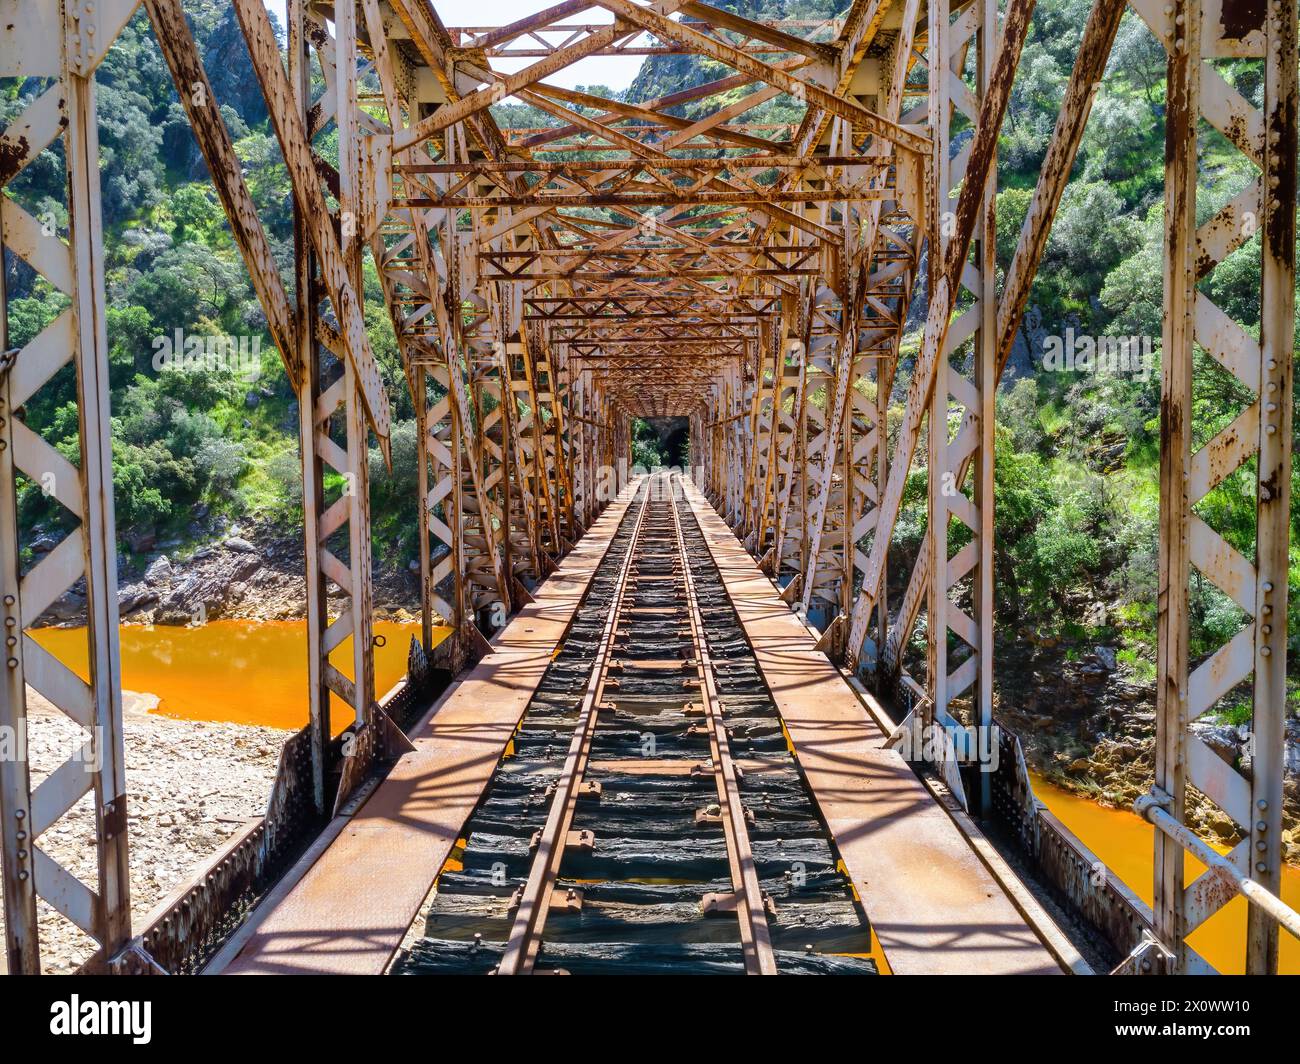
1262,431
406,261
65,42
892,248
940,108
973,394
1277,349
515,427
308,297
788,494
825,568
322,405
351,213
22,943
1181,114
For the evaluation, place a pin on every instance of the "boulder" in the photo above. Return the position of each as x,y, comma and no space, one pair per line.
132,597
241,546
1224,741
1126,752
1106,658
1222,826
159,573
45,543
68,607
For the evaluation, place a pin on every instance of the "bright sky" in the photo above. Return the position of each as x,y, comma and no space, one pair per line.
615,71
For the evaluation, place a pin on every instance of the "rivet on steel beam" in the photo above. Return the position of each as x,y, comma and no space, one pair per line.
9,600
1261,867
12,663
1264,652
22,876
1261,825
1261,845
19,814
1262,804
1268,586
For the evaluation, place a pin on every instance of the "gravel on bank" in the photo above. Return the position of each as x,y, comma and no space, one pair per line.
191,785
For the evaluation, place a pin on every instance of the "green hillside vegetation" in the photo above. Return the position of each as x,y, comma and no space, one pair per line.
1077,454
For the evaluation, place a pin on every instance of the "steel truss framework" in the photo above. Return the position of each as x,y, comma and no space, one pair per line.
671,258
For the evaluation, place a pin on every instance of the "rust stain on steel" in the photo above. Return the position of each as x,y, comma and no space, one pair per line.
209,128
932,903
985,142
1105,902
1282,125
13,154
348,913
1240,18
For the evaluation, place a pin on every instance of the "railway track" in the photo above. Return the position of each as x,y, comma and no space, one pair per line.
648,815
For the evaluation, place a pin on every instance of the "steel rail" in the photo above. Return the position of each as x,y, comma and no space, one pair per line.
524,943
755,935
530,918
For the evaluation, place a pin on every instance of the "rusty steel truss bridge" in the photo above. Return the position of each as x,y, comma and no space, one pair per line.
549,285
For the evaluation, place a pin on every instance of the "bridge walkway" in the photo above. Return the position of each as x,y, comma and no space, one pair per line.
934,905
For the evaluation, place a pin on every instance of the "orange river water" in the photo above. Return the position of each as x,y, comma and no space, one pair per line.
244,672
1125,842
250,672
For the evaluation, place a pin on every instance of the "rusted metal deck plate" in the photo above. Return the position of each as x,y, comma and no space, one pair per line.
348,913
932,903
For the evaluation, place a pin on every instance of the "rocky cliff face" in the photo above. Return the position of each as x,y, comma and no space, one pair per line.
252,575
1090,728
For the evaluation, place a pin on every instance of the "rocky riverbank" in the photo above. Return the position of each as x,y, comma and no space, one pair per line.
191,785
1087,725
249,573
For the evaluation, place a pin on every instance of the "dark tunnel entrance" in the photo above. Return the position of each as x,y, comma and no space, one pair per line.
665,439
